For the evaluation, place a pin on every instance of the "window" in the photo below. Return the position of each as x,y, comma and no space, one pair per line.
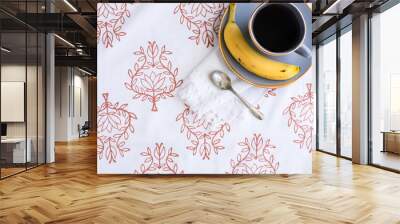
385,89
22,77
346,93
394,101
327,96
334,106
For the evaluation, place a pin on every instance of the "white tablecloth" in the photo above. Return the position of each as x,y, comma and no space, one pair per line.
145,51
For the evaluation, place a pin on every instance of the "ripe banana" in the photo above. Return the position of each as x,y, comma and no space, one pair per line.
251,59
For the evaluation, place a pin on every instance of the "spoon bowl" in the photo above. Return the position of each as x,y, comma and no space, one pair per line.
221,80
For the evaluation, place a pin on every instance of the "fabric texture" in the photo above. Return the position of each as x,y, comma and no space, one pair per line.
211,103
148,54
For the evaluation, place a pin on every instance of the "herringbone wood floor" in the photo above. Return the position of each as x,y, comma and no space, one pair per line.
69,191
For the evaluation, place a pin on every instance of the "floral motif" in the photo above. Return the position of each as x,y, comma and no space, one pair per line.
159,160
203,141
255,157
300,114
153,77
110,19
114,125
269,92
202,19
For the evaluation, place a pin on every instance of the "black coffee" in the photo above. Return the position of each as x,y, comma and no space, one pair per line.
278,28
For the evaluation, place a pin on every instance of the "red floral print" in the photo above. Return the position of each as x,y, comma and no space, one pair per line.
159,161
255,157
269,92
203,141
202,19
114,125
110,19
300,114
153,78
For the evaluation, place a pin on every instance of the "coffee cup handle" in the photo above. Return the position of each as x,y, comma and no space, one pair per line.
304,51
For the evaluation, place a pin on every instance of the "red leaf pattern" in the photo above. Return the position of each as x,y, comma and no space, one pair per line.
110,19
268,92
300,113
204,142
159,161
114,125
202,19
153,77
255,157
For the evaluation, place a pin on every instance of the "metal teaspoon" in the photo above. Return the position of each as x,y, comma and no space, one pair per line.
222,81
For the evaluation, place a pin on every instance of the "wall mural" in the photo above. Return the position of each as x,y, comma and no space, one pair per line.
145,52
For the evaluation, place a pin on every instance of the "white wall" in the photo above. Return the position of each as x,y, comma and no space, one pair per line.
12,73
33,127
16,73
80,109
314,74
62,82
70,83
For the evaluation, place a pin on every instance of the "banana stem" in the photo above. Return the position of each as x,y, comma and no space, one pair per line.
232,12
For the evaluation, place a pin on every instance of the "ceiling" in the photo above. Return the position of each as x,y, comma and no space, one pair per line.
329,16
76,25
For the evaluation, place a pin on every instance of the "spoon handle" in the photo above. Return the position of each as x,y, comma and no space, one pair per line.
252,109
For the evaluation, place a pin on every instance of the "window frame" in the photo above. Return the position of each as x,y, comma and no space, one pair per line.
334,37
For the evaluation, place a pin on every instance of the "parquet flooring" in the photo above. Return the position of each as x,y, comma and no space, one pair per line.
10,171
70,191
